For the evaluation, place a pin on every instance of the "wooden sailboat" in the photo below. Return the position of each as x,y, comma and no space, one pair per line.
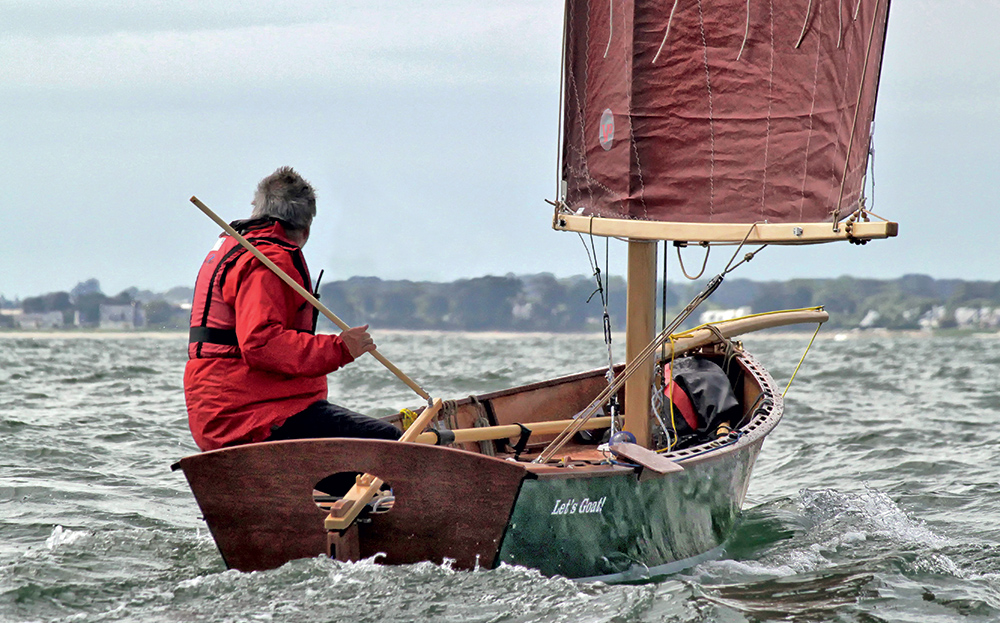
735,123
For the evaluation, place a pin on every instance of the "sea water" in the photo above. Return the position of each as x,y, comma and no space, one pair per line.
875,499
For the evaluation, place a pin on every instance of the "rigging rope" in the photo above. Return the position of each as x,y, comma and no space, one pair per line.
704,263
840,24
808,346
659,381
562,97
805,25
606,316
670,386
663,301
857,110
639,361
746,33
611,29
656,402
666,34
871,160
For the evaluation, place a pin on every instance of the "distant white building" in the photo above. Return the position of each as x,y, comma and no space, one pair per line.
521,311
122,317
720,315
45,320
870,319
977,317
932,318
989,317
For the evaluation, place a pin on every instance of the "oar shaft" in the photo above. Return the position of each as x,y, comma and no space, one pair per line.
507,431
305,294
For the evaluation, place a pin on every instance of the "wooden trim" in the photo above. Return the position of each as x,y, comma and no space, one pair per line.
487,433
554,472
697,338
763,233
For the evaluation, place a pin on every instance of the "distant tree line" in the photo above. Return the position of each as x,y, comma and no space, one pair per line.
82,305
544,302
510,303
907,303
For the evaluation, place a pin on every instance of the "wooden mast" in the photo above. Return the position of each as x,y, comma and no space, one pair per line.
639,332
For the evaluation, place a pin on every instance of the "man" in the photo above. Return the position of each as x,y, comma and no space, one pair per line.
256,369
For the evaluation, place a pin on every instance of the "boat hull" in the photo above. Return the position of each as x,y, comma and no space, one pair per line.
257,500
621,526
585,517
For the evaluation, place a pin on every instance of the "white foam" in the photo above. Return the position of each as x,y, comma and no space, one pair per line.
877,513
61,536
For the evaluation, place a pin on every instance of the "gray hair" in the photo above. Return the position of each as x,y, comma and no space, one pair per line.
285,195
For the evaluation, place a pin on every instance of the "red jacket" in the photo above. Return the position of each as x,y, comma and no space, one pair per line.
253,358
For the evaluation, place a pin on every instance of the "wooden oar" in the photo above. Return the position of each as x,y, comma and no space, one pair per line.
346,510
307,295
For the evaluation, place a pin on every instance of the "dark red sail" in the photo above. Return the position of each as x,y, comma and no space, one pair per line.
724,111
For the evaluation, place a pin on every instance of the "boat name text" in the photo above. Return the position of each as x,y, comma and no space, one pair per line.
586,506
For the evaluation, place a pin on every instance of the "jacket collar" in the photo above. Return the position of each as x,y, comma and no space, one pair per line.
264,226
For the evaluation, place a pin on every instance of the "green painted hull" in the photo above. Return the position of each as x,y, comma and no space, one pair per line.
614,527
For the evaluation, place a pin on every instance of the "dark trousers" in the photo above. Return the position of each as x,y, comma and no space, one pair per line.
322,420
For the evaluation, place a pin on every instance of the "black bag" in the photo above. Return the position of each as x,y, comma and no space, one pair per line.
711,395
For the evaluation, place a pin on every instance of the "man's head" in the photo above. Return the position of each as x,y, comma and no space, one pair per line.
285,195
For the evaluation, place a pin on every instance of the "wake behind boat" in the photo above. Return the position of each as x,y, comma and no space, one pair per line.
736,125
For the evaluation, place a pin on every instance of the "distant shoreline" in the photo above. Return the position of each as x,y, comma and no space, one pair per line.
831,334
85,334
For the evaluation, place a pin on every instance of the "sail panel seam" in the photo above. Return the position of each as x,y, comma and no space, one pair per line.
630,94
582,109
843,106
767,131
711,114
812,113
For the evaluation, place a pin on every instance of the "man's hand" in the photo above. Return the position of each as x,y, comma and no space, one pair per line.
358,341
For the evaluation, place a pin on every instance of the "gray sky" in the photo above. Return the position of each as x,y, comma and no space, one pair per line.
428,129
